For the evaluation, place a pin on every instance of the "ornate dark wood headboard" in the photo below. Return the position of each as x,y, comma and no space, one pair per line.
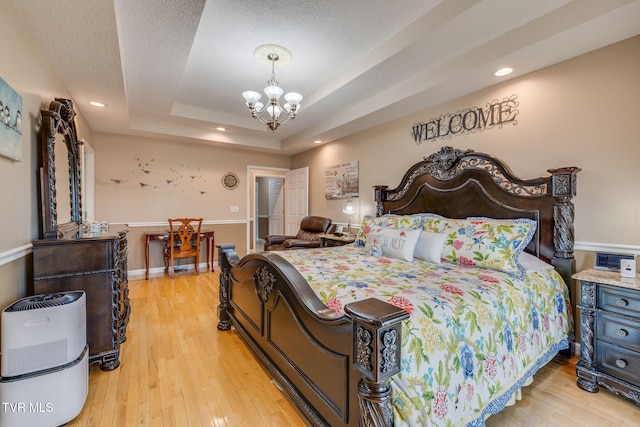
462,183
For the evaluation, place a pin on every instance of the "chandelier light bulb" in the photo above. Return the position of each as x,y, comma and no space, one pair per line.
274,111
293,98
273,92
251,97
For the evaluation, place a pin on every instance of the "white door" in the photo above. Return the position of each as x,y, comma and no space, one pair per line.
296,184
276,207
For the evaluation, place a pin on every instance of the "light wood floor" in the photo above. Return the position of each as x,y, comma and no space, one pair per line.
178,370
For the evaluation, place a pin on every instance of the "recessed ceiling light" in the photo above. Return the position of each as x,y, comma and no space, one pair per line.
503,71
317,141
97,104
221,129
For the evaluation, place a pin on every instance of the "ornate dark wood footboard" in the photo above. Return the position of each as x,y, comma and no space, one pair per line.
321,361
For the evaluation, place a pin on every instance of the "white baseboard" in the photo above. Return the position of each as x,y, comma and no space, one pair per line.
159,271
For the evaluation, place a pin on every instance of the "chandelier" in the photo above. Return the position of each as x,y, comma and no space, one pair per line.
273,114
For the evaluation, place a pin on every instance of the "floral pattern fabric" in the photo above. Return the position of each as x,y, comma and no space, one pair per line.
386,221
473,337
484,242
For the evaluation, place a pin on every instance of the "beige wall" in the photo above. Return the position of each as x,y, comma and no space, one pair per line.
25,68
143,182
583,112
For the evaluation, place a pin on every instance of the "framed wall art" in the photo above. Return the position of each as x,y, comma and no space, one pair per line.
341,181
10,122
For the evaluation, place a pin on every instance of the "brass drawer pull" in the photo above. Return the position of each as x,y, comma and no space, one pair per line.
622,303
622,333
621,363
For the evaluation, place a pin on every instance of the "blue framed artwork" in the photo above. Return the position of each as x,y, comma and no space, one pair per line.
10,122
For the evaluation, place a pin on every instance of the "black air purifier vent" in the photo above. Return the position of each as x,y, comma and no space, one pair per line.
44,301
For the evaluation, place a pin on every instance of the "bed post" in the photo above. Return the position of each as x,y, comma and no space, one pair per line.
564,182
227,257
380,196
564,189
376,354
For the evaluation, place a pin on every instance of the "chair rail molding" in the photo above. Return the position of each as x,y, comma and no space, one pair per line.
166,223
607,247
16,253
24,250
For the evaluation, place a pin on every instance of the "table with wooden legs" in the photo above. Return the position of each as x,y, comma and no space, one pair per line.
205,235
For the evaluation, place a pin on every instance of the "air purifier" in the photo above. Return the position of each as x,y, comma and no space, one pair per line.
44,361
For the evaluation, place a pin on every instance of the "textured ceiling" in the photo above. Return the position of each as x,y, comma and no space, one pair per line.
176,69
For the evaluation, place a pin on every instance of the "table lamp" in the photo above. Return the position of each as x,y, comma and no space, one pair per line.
349,210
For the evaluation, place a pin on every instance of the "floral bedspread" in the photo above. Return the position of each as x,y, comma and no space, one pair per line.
474,336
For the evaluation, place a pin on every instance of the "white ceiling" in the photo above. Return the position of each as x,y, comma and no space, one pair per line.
176,68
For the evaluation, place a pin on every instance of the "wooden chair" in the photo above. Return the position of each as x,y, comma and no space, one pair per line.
184,242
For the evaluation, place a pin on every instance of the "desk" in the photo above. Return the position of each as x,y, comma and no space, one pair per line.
206,235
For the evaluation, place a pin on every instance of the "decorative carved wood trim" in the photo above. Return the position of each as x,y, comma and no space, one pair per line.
364,351
564,189
264,281
227,257
588,295
449,163
376,354
59,120
587,321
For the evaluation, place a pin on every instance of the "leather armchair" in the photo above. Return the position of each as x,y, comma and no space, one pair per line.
310,228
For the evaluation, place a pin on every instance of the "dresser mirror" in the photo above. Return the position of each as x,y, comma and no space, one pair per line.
60,171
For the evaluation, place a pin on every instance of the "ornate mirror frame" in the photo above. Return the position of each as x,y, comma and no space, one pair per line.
58,126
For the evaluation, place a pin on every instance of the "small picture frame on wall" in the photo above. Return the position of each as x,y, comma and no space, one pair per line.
230,181
10,122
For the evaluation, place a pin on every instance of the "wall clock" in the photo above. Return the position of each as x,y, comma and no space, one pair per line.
230,180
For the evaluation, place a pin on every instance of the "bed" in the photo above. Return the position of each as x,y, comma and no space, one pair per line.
381,333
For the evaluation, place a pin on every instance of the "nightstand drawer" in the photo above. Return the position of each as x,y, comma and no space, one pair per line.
619,300
618,362
618,331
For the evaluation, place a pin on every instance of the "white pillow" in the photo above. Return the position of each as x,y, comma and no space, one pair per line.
532,263
395,243
429,246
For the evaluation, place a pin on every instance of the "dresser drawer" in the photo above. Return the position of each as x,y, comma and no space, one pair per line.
619,300
620,332
618,362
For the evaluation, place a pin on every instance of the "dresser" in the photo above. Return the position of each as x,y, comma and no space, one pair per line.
610,333
97,264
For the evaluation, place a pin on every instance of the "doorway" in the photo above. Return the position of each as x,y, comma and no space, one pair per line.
278,199
269,215
257,203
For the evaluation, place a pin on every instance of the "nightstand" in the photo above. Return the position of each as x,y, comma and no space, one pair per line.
328,240
610,333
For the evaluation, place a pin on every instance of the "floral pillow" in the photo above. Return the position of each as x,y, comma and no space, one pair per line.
387,221
484,242
393,242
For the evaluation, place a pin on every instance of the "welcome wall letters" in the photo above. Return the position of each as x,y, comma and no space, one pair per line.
472,119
